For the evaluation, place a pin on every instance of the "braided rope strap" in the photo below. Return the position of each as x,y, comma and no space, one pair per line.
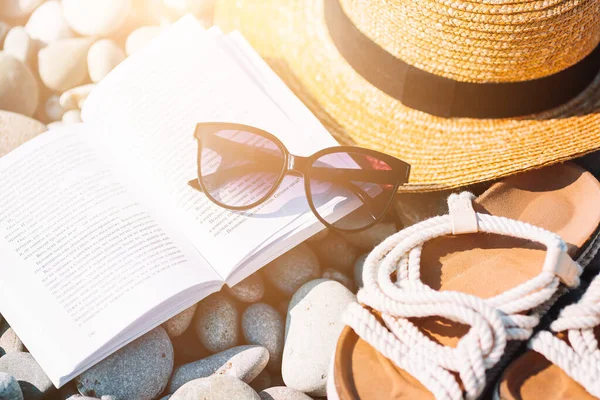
580,357
493,321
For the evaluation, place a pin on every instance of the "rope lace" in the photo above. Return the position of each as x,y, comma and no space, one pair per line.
580,357
494,321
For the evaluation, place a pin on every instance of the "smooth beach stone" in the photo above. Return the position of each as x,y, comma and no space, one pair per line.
243,362
4,29
177,325
9,388
48,24
166,397
371,237
56,125
336,252
9,341
282,393
335,275
358,270
15,9
263,325
75,98
216,387
250,290
18,88
140,37
140,370
16,129
54,111
71,117
314,323
217,323
319,236
21,46
96,17
33,381
293,269
262,381
63,64
103,57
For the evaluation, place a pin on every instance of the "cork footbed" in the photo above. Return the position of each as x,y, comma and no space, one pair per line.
563,198
531,376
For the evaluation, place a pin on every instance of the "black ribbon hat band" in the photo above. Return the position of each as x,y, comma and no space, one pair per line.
446,97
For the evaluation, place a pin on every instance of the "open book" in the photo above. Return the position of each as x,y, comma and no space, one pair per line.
101,237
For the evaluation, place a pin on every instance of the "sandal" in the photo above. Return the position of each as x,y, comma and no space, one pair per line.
443,308
564,362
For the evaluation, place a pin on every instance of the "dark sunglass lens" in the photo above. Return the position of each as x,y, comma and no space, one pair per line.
239,168
351,190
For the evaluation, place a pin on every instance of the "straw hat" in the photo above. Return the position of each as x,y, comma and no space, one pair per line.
463,90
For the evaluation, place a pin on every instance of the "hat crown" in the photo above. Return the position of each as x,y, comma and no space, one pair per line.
486,41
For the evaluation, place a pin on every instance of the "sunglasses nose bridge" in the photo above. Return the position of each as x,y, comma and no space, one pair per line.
297,165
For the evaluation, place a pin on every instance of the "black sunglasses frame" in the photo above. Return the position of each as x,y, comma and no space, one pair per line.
300,167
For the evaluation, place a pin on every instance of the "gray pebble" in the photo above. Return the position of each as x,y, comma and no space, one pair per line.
358,270
9,341
283,393
179,323
335,275
336,252
314,323
63,64
139,370
216,387
18,87
250,290
9,388
293,269
217,323
263,325
32,379
367,239
242,362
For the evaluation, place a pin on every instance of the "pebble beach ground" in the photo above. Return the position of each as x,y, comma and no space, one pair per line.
271,336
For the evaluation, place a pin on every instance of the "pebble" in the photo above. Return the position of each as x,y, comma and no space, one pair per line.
358,270
33,381
336,252
62,64
16,9
4,29
369,238
312,328
18,88
75,98
263,325
250,290
72,117
140,370
335,275
48,24
16,129
55,125
177,325
9,388
262,381
216,387
243,362
54,111
21,46
9,341
282,393
96,17
140,37
293,269
217,323
103,57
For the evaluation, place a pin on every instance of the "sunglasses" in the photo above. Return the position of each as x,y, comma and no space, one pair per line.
348,188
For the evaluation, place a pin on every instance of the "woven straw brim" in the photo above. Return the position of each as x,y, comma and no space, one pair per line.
443,152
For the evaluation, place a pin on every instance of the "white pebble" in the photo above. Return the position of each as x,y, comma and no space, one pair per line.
63,64
21,46
96,17
103,57
75,98
54,111
15,9
140,37
48,24
72,117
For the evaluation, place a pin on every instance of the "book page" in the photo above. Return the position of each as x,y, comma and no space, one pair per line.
80,254
182,78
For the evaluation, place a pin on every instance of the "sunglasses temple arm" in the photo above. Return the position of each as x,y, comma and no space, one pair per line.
381,177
